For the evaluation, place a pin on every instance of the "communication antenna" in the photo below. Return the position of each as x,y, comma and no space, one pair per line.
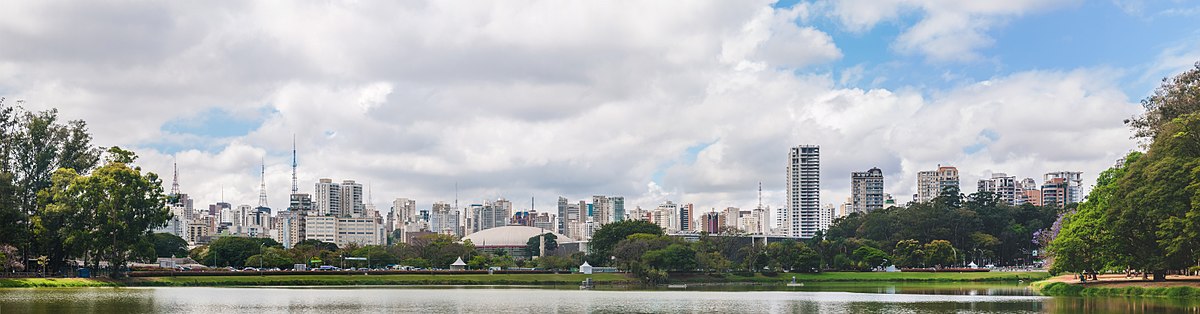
175,181
760,195
262,192
295,188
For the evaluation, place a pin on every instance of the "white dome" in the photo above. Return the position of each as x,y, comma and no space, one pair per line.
510,236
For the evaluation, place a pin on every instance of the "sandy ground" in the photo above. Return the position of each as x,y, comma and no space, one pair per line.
1119,280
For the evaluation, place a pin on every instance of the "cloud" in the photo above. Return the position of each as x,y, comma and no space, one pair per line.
945,31
540,98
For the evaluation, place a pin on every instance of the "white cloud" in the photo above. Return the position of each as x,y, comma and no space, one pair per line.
952,31
541,99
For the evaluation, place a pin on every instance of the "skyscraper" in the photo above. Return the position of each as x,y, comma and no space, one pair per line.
802,215
601,210
618,208
930,184
352,198
328,198
866,191
687,218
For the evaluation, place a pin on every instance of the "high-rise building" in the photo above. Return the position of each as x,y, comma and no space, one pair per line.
352,199
1030,192
562,215
712,222
687,218
1002,185
328,198
444,219
618,208
866,190
665,216
802,214
404,211
1072,184
930,184
602,211
827,216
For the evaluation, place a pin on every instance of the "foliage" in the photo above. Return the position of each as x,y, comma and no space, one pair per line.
607,237
868,257
908,254
939,253
234,251
979,223
1176,97
533,246
169,245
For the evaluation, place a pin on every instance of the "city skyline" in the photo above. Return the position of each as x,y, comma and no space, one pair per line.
488,102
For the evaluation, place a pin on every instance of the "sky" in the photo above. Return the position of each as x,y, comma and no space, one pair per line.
689,101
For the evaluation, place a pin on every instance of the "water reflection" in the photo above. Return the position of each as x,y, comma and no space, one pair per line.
529,300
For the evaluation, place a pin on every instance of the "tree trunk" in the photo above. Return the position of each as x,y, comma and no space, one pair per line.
1160,275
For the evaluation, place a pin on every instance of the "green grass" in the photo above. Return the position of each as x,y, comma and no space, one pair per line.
407,279
1067,289
54,283
866,276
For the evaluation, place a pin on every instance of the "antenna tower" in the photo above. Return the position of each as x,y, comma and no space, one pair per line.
262,192
175,181
760,195
295,188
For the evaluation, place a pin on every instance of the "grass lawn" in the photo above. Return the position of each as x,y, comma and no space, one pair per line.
407,279
866,276
54,282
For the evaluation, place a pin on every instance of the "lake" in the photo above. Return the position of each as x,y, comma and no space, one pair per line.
870,298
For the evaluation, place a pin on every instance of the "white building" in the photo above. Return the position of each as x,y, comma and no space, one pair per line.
827,216
1005,186
802,216
321,228
328,198
444,219
930,184
351,199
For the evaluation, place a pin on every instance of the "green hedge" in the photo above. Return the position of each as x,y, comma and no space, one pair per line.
1067,289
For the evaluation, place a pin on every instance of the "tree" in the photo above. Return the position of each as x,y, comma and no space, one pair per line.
9,259
534,245
675,257
169,245
273,257
1174,98
939,253
908,254
608,235
869,257
234,251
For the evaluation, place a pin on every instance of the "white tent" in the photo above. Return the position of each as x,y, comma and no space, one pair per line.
585,268
458,265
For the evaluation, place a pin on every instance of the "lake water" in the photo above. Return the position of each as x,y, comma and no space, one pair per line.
900,298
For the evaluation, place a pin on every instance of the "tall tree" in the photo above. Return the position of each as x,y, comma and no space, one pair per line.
114,209
608,235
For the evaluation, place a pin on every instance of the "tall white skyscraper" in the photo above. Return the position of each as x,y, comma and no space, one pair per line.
328,198
802,216
930,184
602,211
1005,186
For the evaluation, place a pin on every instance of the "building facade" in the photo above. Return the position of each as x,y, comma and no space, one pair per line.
866,191
930,184
802,215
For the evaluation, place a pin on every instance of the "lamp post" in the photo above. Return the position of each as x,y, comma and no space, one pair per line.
261,246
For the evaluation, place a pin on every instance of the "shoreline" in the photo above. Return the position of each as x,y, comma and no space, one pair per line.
1119,286
604,279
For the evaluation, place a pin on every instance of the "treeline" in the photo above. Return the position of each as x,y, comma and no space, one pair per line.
978,228
62,198
1144,214
427,251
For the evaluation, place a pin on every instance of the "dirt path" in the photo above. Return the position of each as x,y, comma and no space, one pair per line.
1118,280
